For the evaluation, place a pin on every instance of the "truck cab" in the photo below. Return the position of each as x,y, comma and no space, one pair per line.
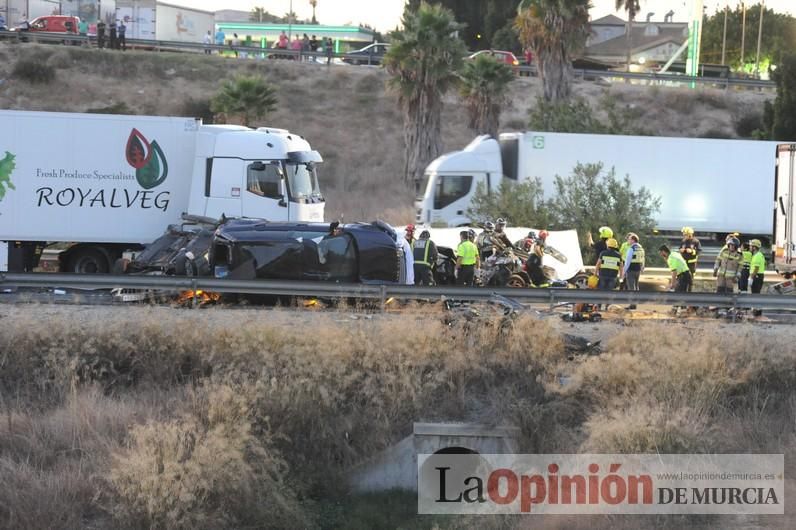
265,174
451,181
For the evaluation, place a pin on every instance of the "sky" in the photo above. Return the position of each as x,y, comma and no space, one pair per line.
385,15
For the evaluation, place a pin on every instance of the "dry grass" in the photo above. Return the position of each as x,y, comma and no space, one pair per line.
221,419
347,113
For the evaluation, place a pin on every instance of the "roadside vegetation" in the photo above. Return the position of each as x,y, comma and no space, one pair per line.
230,419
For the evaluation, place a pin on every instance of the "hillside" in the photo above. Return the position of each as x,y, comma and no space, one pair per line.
347,113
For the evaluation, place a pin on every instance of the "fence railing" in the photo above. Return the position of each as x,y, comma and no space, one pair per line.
321,57
384,292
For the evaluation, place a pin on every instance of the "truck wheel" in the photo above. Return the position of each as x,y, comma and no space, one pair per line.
88,261
516,281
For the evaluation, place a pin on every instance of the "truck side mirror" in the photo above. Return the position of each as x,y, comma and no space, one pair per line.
282,193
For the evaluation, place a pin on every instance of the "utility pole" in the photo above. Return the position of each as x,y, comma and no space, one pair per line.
759,38
290,24
743,33
724,37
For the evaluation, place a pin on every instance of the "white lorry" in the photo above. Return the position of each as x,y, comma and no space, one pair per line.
714,186
106,183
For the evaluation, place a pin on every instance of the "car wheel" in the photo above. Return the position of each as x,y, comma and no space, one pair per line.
516,281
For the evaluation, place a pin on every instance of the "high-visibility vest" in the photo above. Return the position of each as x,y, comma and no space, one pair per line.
638,254
468,252
623,249
758,264
677,263
609,263
420,252
747,258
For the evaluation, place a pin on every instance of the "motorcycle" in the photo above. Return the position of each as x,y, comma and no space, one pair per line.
502,269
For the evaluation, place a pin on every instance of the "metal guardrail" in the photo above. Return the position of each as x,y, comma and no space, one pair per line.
383,292
160,45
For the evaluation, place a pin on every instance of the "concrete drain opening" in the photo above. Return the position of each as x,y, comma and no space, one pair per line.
396,466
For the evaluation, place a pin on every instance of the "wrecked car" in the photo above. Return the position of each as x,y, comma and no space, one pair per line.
248,249
355,253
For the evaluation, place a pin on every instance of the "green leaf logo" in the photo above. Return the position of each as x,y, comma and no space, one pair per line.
151,168
7,166
155,171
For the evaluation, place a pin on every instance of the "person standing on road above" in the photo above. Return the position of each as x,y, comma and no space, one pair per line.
221,37
121,42
82,30
425,256
112,35
467,260
283,41
100,34
690,249
329,50
208,40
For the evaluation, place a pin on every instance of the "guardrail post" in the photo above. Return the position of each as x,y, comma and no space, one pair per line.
383,294
552,298
193,291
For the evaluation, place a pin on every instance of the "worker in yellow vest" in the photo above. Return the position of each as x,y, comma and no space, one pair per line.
607,267
425,253
467,260
727,268
681,274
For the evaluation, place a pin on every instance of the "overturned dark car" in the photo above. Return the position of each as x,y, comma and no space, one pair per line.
248,249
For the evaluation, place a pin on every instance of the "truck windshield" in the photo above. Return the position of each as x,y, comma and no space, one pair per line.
302,181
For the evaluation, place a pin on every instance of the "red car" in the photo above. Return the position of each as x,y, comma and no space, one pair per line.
502,56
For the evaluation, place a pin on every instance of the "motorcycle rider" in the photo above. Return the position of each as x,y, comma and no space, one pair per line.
500,239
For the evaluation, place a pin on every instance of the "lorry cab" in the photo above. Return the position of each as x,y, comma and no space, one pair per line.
265,173
451,181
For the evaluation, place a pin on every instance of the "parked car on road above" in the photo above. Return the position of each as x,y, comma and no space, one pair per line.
502,56
370,54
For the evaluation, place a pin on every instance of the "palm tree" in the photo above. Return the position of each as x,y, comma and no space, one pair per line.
258,14
244,97
483,86
632,7
314,4
423,60
555,30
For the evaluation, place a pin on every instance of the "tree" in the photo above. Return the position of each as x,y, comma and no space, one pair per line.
782,115
249,98
632,7
259,14
779,34
554,30
423,61
314,4
590,198
483,86
521,203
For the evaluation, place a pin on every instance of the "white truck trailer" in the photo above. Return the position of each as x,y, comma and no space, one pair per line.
714,186
105,184
153,20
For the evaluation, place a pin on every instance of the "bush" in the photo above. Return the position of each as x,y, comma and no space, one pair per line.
590,198
198,108
204,470
521,204
34,70
747,123
577,116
